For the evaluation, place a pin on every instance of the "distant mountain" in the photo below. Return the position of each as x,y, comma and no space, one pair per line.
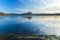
3,14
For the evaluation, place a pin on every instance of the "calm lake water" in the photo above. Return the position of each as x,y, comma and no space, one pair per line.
17,24
35,25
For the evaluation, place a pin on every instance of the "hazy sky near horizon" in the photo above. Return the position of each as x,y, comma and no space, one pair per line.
36,6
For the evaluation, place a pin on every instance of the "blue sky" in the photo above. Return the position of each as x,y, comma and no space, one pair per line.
15,5
36,6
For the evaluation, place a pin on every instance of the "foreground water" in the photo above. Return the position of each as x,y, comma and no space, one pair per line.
17,24
36,25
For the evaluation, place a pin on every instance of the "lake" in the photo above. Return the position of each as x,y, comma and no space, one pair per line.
17,24
25,26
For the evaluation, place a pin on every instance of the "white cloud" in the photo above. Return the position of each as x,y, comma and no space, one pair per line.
53,6
22,10
50,6
44,2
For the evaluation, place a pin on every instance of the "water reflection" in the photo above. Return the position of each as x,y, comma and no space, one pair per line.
36,25
16,24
